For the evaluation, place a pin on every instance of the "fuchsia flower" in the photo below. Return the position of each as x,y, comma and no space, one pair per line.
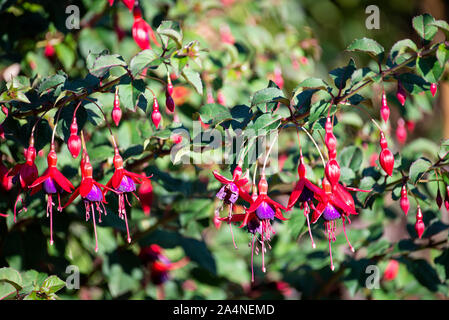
159,265
142,31
230,192
333,204
123,182
53,182
91,193
258,219
304,192
24,174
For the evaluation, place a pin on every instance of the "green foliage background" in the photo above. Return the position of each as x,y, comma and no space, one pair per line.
304,39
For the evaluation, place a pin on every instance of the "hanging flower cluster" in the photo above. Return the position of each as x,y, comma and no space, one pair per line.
332,202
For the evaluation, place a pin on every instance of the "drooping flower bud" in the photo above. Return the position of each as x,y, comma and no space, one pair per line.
169,87
439,199
116,111
278,79
329,138
433,89
401,132
130,3
142,31
74,142
419,225
156,115
386,157
384,109
210,98
400,94
49,51
170,104
221,98
405,203
332,171
391,270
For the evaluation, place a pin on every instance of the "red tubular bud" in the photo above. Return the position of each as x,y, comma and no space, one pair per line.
116,111
384,109
433,89
400,94
332,172
401,132
419,225
405,203
156,118
386,160
329,137
391,270
169,86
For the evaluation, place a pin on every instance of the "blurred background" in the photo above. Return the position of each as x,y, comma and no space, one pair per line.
179,253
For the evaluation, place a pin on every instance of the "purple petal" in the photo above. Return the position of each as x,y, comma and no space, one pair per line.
50,186
229,193
330,213
94,194
264,211
127,185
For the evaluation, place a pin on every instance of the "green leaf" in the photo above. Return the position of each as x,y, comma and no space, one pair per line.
313,83
170,29
367,45
266,95
213,113
418,169
52,284
351,157
10,282
442,55
142,60
65,55
342,75
401,47
266,121
424,26
193,78
104,63
429,68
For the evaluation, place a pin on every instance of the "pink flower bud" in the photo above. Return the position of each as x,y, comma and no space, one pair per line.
391,270
400,94
433,89
49,51
401,132
156,118
405,203
384,109
221,98
419,225
142,31
386,160
332,171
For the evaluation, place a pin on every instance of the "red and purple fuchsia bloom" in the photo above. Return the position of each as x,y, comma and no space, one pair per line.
303,193
333,204
53,182
123,182
24,174
91,193
258,219
230,192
